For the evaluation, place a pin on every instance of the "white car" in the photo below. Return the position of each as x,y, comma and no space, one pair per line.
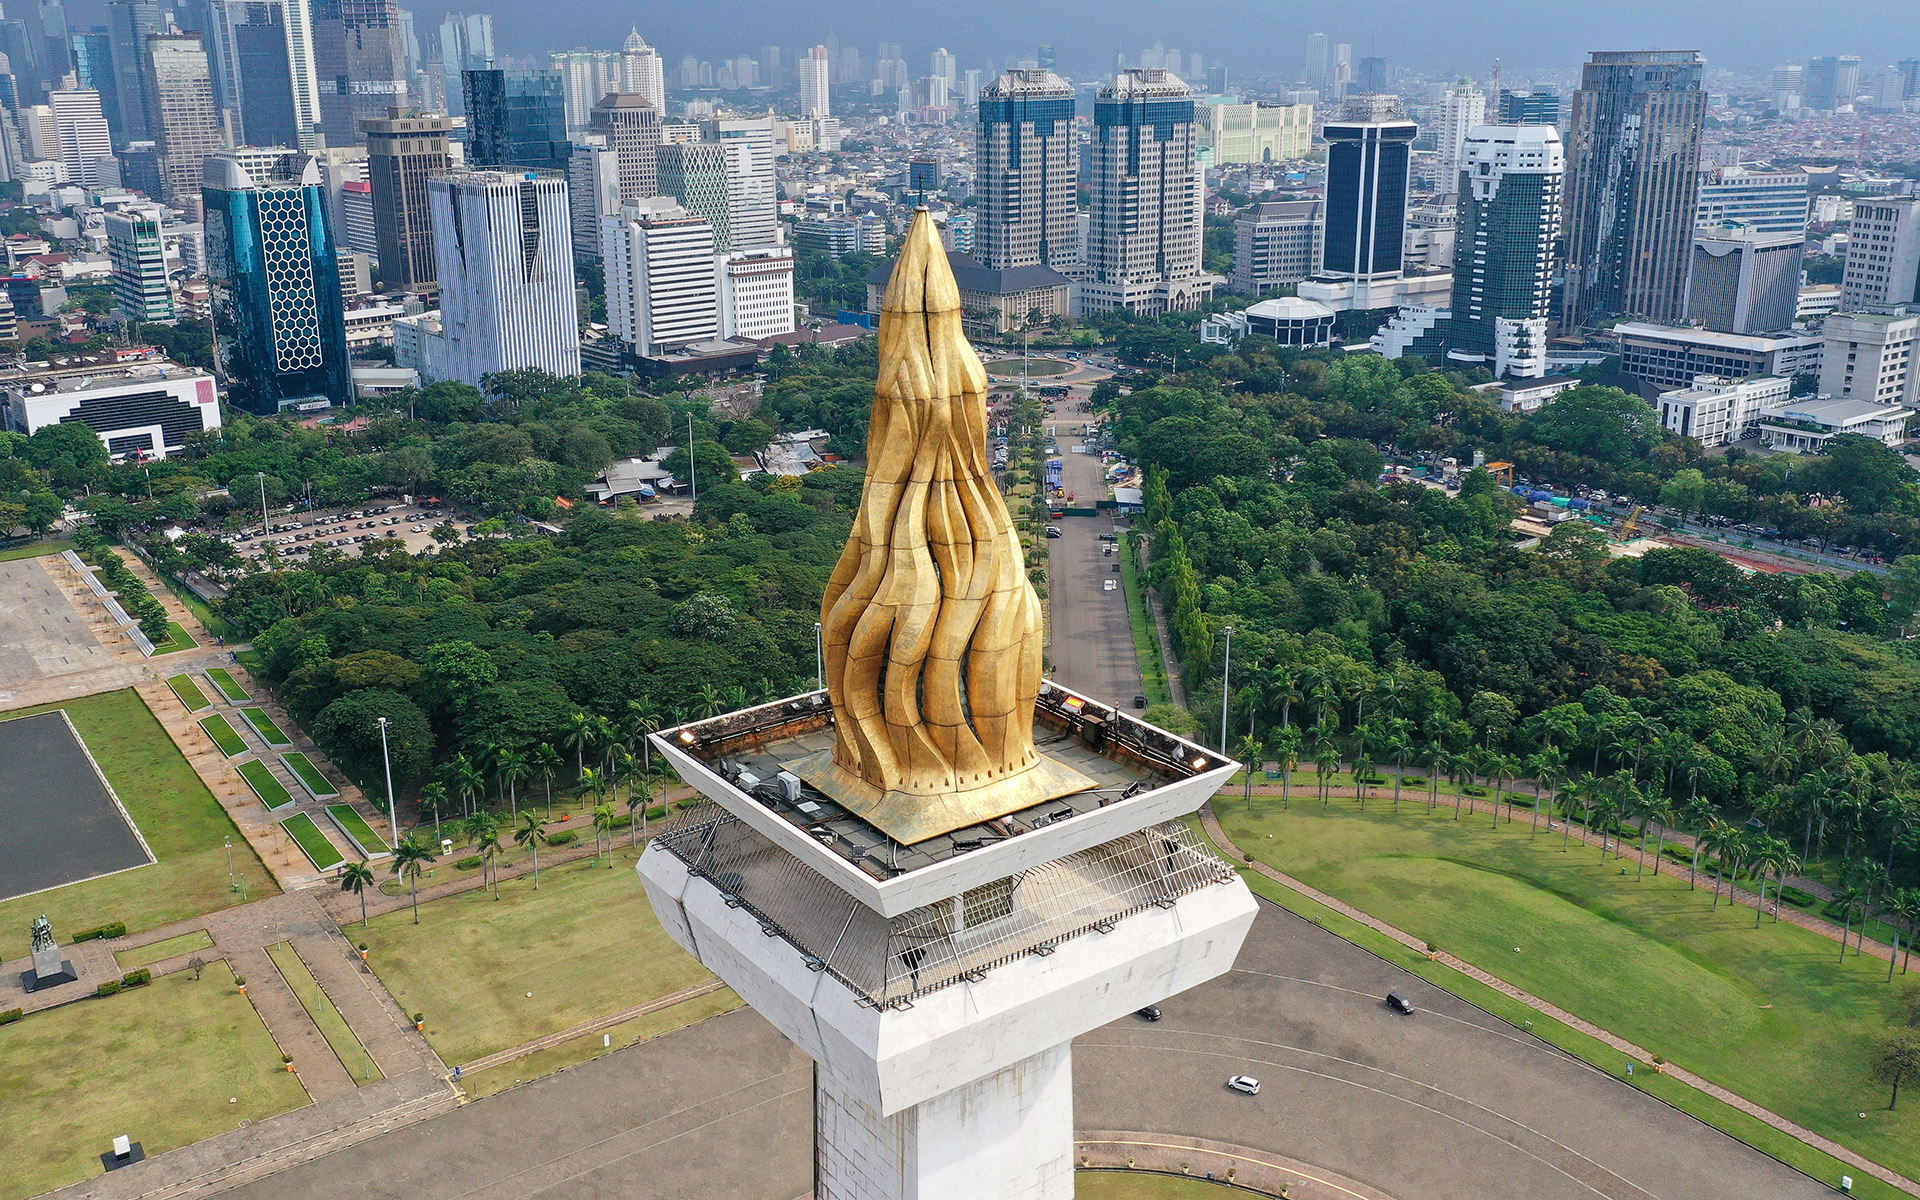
1245,1083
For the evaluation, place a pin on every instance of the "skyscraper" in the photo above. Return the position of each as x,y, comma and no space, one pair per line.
947,67
814,70
1830,82
1633,184
1143,247
1536,107
185,126
128,24
517,118
644,75
1883,254
139,257
1277,243
1462,108
629,126
402,153
695,175
593,194
361,61
1317,61
503,243
1371,78
84,138
263,49
272,262
1368,157
752,200
1025,178
662,290
1789,87
466,44
1744,280
1767,200
1503,264
588,75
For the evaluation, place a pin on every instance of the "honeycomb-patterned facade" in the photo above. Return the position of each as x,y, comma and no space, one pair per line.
287,256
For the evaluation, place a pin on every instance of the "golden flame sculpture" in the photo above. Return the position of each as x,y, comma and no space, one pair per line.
932,632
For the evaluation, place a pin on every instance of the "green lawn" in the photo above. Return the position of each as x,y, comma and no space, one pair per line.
346,1047
585,945
312,842
303,768
221,731
182,822
1146,644
157,1063
265,727
153,952
34,550
177,639
1773,1013
271,791
590,1046
1139,1185
229,687
357,830
189,692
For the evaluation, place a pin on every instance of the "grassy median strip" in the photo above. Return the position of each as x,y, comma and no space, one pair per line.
312,842
265,727
1146,639
271,791
223,679
153,952
177,639
308,774
346,1047
357,830
189,692
231,744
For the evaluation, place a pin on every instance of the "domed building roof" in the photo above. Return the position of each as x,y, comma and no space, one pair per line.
635,43
1290,308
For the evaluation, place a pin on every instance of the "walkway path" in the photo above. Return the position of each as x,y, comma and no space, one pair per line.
1645,1057
591,1027
1259,1171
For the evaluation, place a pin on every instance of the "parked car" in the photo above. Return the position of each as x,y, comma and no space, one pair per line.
1245,1083
1053,531
1399,1003
1151,1012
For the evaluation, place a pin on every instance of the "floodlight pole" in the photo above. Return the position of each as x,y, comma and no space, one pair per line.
264,523
233,884
393,819
693,480
819,658
1226,670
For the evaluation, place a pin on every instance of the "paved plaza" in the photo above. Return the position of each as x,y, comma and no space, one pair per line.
42,633
59,822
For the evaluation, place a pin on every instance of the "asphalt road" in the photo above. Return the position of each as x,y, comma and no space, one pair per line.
1091,643
1449,1103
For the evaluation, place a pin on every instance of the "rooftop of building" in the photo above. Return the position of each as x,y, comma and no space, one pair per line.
1833,413
1289,308
972,277
88,372
1755,342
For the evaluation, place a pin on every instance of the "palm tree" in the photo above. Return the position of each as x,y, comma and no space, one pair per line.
512,767
468,779
529,835
1906,906
1438,761
489,847
355,877
1717,840
603,827
1362,772
1286,754
545,760
644,719
1848,897
1325,763
577,736
636,813
410,858
1768,855
1399,747
1573,797
709,702
1546,767
1251,753
1697,817
595,779
434,796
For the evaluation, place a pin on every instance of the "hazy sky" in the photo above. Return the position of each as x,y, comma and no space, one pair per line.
1247,35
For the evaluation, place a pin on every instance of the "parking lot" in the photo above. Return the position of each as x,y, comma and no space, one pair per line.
347,531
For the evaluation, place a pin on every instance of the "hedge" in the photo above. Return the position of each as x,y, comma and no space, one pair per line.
11,1015
111,929
561,838
136,978
108,988
1794,896
468,863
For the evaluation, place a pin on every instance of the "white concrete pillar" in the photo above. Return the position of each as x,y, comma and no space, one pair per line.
1008,1135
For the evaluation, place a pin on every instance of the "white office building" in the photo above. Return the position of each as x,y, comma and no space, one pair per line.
1806,426
1869,356
586,76
815,71
1718,411
755,292
1670,356
420,342
503,242
137,247
1462,107
1744,280
81,133
642,73
752,198
1754,196
1883,253
593,194
1277,243
145,408
662,290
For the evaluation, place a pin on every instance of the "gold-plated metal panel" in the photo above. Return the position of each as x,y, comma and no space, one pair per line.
932,632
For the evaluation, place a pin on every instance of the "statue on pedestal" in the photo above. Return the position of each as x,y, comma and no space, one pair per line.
48,967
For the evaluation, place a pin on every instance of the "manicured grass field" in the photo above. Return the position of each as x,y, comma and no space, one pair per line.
590,1046
303,768
153,952
231,689
182,822
346,1047
221,731
271,791
33,550
1138,1185
1770,1013
265,727
1146,644
357,830
189,692
586,944
157,1063
177,639
312,842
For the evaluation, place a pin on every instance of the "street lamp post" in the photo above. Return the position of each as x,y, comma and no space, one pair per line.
819,659
263,503
693,480
393,818
1226,670
233,884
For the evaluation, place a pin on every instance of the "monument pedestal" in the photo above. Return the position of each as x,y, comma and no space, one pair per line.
49,969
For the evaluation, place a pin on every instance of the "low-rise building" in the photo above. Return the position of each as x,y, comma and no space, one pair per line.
137,402
1806,426
1669,356
1276,243
1869,356
372,325
1288,320
1718,411
420,342
1530,395
993,302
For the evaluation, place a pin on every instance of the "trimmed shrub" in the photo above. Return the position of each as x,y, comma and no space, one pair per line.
109,987
11,1015
469,863
136,978
1794,896
111,929
561,838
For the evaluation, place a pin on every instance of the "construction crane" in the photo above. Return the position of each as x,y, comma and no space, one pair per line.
1632,522
1860,158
